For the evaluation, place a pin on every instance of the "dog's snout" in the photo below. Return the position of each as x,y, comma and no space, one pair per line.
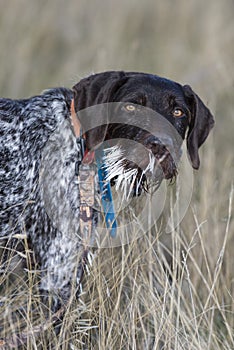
163,141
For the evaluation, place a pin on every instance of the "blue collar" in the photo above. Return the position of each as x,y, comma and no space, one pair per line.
106,195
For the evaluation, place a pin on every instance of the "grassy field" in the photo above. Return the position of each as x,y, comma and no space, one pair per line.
127,300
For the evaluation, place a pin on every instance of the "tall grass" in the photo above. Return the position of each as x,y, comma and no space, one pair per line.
128,302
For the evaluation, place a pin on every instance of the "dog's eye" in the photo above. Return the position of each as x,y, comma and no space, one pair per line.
130,108
177,113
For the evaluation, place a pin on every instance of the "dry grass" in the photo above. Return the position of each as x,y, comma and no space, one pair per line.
128,302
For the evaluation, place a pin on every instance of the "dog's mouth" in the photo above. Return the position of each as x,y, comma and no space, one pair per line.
165,159
136,169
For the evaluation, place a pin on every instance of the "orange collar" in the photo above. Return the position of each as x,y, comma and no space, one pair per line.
88,156
75,121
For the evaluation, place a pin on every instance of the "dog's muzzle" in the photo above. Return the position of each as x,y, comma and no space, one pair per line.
134,166
166,155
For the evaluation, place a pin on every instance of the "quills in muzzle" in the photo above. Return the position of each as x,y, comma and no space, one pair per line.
126,179
114,163
148,170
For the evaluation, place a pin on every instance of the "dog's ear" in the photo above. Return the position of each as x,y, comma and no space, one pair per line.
200,124
97,89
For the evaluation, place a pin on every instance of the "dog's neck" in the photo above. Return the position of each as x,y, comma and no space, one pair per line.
86,161
75,121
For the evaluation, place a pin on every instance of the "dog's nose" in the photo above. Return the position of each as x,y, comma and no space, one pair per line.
163,140
162,146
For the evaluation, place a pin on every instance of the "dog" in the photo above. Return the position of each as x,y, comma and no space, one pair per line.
28,168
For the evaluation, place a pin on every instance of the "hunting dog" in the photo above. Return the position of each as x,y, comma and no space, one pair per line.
26,127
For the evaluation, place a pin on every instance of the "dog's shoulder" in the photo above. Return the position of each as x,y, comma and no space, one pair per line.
37,115
8,109
25,127
48,101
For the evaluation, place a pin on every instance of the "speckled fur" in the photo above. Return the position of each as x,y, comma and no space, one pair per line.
27,127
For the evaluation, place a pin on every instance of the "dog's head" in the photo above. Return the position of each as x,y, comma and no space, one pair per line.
154,112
